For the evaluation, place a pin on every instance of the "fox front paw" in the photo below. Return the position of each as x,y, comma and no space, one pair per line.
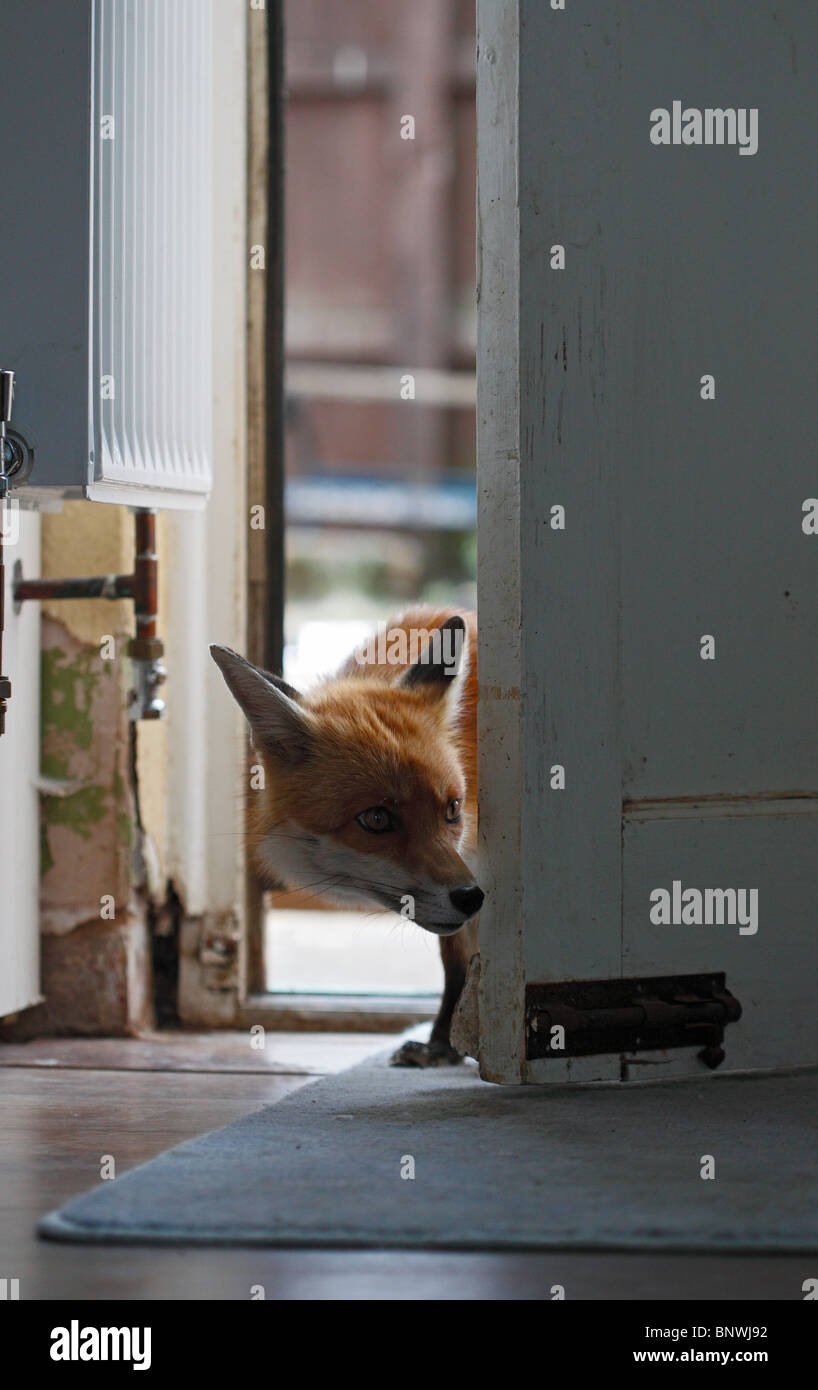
430,1054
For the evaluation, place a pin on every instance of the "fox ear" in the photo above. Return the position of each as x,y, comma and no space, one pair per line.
440,663
272,708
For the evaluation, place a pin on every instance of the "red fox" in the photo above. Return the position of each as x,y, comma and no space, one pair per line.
370,787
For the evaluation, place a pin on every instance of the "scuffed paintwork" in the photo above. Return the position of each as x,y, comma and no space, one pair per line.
87,831
51,765
95,970
68,685
82,811
67,692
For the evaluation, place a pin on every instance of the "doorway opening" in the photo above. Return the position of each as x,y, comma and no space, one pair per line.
369,385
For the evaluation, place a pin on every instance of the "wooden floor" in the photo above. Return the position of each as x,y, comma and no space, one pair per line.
64,1104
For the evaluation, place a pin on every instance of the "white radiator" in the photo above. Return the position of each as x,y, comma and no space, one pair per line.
105,236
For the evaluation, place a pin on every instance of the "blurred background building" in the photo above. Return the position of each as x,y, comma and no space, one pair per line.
380,286
380,326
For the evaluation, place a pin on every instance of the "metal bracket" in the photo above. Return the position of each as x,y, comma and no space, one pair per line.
145,649
634,1015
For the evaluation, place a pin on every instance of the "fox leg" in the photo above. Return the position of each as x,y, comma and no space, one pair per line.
455,952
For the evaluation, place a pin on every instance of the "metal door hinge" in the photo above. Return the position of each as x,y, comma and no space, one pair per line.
579,1018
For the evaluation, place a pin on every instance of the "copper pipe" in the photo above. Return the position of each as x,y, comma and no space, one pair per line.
111,586
141,585
145,649
145,585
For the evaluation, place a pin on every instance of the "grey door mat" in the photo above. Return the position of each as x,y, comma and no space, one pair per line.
495,1168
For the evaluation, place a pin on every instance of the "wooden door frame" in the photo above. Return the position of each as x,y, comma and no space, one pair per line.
265,391
549,680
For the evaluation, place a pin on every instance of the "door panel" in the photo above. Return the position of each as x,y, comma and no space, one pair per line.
682,515
714,253
772,971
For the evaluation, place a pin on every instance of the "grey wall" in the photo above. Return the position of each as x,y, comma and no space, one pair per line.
45,136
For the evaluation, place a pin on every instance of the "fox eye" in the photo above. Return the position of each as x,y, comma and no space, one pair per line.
377,819
453,811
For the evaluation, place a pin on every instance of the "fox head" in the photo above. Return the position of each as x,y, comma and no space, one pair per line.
364,799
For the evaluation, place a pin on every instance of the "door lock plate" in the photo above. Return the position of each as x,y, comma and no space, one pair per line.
580,1018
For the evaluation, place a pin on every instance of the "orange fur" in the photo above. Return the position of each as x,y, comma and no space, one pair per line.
365,741
380,742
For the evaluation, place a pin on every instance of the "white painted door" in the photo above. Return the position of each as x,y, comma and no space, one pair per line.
647,363
19,769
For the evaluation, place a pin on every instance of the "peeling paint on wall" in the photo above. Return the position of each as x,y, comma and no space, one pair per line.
86,834
68,689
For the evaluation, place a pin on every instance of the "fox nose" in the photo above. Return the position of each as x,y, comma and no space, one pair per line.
467,900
